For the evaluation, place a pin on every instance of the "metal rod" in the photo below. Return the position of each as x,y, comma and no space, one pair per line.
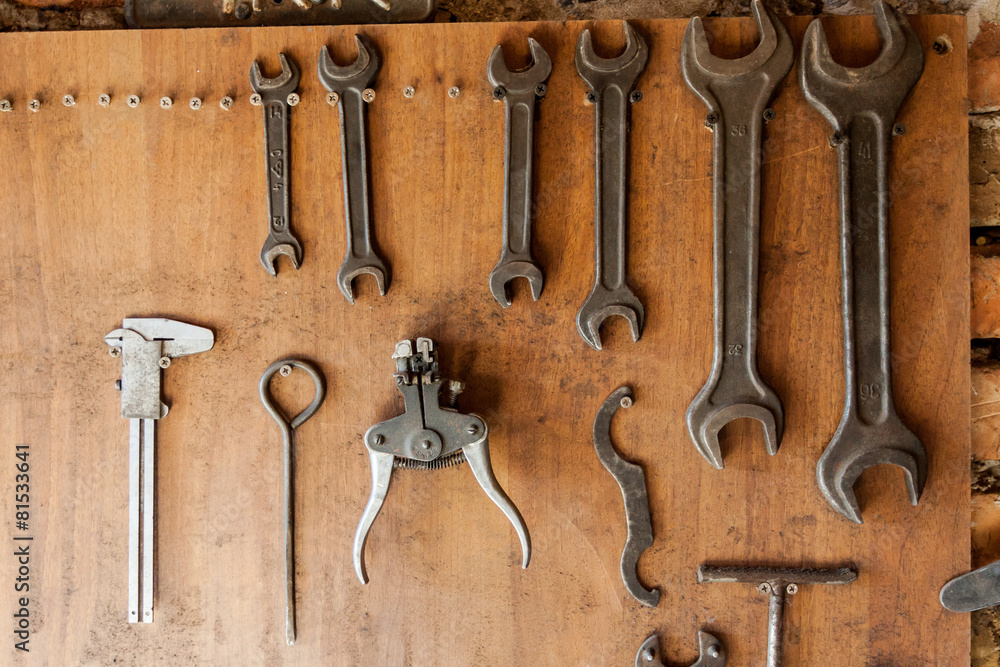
775,609
134,461
286,433
148,505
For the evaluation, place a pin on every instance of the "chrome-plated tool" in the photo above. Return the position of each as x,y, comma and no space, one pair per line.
428,436
861,106
736,93
612,83
520,91
351,85
775,582
632,480
146,346
284,368
277,97
974,590
711,652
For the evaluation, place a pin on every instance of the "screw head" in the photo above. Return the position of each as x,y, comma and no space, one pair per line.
378,439
6,106
426,444
195,103
636,96
133,101
454,92
293,99
68,100
541,89
285,370
104,99
713,651
648,655
164,362
792,589
255,100
243,11
409,92
769,115
165,103
368,95
226,103
837,138
898,129
332,98
34,105
499,93
626,401
115,351
591,97
942,45
472,429
711,119
764,587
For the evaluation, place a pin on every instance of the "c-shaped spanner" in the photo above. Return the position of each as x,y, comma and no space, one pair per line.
861,105
274,100
736,93
519,91
350,83
611,83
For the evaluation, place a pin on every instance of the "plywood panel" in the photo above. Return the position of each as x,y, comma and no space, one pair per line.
145,212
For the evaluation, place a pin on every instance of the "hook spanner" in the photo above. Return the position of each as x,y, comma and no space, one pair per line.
274,100
611,83
861,105
520,91
350,83
711,652
736,93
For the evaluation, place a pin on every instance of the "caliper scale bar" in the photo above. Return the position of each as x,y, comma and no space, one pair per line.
146,346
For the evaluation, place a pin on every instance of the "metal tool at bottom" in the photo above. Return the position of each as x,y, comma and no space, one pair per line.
974,590
146,346
284,367
632,480
775,582
711,652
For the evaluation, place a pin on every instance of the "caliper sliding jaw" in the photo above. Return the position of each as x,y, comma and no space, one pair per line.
428,436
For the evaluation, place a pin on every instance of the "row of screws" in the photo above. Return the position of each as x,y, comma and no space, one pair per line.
225,103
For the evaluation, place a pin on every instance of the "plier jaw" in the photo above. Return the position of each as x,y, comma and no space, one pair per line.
428,436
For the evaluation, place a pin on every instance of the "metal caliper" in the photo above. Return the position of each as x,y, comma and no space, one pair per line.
429,436
146,346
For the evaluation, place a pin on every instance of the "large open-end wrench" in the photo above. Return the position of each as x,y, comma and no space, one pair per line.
736,93
350,83
611,83
274,94
861,105
519,91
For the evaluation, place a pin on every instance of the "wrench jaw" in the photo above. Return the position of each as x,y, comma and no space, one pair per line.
282,85
706,418
855,447
604,303
291,249
599,72
356,266
356,76
520,81
840,93
505,271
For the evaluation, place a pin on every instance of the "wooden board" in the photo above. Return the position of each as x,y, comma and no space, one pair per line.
145,212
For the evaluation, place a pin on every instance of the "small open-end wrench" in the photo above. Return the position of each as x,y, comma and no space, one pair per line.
274,95
349,83
611,92
519,91
736,93
861,105
711,653
632,481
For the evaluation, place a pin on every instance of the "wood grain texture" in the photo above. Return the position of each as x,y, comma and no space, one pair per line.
119,212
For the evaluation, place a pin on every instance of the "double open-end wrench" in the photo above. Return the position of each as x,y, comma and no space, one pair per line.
861,105
711,653
632,481
736,93
519,91
146,346
275,100
351,85
611,83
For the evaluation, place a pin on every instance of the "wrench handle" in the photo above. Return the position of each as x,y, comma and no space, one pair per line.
278,168
519,119
611,116
354,162
864,245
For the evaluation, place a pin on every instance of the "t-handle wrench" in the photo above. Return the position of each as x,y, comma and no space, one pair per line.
349,84
519,91
611,83
736,93
276,100
861,105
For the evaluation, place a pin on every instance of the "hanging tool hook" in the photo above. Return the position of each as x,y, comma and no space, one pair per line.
285,367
